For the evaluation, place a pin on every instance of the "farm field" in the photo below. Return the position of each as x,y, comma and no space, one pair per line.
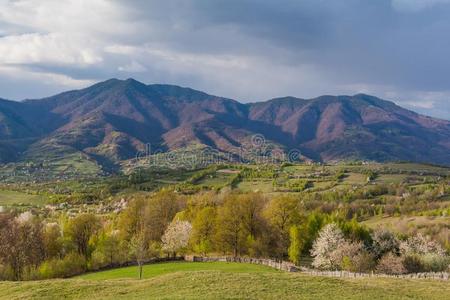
219,281
8,198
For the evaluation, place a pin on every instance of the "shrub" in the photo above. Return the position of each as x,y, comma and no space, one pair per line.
390,264
435,263
98,260
384,241
363,262
72,264
6,273
413,263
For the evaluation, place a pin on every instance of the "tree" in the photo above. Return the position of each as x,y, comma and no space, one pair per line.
343,257
80,229
295,248
176,237
159,212
384,241
52,240
423,254
421,245
31,241
21,243
282,212
203,230
10,246
330,237
355,231
139,250
108,249
131,218
230,235
390,264
310,230
251,206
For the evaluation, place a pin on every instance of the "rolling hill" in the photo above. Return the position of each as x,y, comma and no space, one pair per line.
111,121
217,281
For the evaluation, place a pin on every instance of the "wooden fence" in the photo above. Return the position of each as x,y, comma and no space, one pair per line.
280,265
346,274
290,267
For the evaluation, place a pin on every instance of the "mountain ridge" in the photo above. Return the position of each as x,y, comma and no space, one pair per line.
113,120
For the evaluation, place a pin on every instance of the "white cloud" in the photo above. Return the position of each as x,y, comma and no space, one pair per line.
53,48
68,16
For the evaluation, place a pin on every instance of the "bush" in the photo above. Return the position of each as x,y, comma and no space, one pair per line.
6,273
413,263
72,264
384,241
363,262
390,264
98,260
435,263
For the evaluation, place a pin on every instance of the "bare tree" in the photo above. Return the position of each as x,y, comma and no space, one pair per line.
139,250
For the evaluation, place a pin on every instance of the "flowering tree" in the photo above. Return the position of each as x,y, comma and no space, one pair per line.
384,241
343,256
330,237
176,237
390,264
423,254
421,245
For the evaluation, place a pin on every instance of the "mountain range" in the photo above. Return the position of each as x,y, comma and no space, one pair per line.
111,121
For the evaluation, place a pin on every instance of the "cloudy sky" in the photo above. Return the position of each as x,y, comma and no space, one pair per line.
250,50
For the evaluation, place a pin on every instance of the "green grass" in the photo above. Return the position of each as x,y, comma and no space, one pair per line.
219,179
153,270
390,178
355,178
227,285
256,185
8,198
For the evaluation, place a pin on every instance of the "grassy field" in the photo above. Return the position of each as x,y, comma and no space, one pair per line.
153,270
8,198
220,281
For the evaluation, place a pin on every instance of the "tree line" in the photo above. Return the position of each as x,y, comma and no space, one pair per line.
167,224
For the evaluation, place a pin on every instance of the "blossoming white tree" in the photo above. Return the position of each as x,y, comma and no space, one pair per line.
330,237
176,237
421,245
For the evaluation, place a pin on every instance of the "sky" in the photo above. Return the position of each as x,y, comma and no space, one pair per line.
248,50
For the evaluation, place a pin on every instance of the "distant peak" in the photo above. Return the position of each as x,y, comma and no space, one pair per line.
133,80
121,81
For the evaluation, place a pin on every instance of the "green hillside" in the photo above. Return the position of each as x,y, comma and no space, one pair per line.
225,284
153,270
